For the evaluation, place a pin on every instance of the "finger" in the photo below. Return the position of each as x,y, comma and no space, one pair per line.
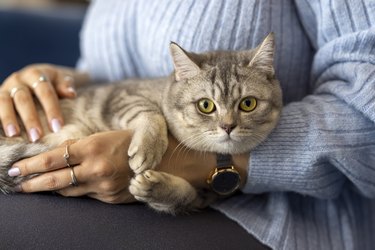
8,115
45,162
43,89
25,107
51,181
65,84
91,184
9,109
72,191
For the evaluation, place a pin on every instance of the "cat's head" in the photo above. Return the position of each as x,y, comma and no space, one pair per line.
223,101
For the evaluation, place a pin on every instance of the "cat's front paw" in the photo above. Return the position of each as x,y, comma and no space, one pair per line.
143,186
145,151
162,191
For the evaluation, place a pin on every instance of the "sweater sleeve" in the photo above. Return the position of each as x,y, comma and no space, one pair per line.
327,139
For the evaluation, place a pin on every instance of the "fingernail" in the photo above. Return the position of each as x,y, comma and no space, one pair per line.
14,171
34,134
11,130
72,90
56,125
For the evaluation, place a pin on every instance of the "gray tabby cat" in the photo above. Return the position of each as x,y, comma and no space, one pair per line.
223,102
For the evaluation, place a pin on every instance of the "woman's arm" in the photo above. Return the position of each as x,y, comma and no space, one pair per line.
196,166
101,167
328,138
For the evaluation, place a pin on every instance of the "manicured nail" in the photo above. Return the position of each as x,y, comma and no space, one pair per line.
14,171
56,125
34,134
11,130
72,90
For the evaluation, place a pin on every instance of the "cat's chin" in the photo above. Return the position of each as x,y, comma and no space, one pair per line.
230,147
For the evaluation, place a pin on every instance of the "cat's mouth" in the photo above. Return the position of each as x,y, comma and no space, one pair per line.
231,138
226,138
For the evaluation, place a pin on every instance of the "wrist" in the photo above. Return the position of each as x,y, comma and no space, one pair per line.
191,165
195,166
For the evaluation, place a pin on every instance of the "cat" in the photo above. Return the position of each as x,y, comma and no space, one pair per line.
224,102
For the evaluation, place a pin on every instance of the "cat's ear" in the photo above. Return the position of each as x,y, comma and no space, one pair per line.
184,67
264,55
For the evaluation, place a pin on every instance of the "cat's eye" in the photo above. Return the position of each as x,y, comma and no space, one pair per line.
206,106
248,104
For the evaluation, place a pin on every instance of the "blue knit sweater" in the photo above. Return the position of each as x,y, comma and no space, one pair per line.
311,185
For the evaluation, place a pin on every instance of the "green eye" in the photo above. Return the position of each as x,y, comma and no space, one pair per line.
206,106
248,104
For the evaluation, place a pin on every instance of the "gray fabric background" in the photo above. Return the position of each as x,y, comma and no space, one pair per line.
47,221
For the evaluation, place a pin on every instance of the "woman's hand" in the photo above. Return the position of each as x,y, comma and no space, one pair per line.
48,83
102,171
195,166
100,164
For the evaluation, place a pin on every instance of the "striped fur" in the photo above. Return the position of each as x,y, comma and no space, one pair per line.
311,184
152,107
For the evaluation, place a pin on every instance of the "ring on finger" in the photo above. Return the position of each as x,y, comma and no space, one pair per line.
66,156
74,181
13,91
42,79
68,78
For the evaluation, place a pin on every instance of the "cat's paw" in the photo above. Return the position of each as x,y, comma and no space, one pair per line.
145,151
162,191
144,186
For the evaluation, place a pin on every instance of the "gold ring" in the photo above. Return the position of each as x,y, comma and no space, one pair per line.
74,181
42,78
68,78
14,90
66,156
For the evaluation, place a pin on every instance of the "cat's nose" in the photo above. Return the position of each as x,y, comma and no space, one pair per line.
228,127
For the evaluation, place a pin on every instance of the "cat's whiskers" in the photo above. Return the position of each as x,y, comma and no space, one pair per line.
191,144
182,145
208,144
202,141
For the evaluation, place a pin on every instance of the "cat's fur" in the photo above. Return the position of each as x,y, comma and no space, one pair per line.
152,107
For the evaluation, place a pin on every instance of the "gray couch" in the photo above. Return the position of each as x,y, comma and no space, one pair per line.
49,221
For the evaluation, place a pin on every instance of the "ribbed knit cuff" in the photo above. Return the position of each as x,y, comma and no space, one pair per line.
273,163
286,162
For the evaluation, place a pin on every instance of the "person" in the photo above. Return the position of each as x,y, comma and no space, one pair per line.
311,184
